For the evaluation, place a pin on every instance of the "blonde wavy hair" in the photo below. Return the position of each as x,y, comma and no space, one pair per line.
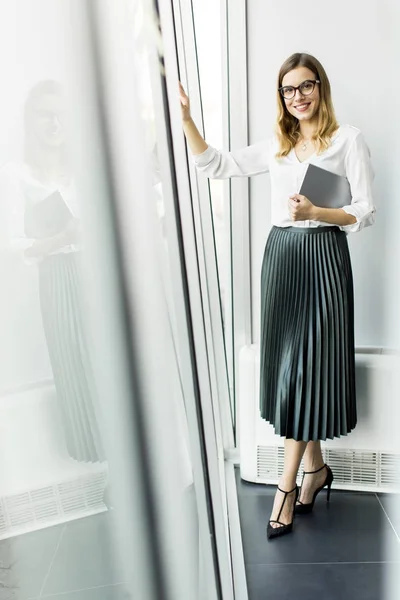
287,126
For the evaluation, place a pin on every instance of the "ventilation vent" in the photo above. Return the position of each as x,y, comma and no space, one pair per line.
355,469
57,503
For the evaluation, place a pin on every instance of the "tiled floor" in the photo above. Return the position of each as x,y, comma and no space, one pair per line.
344,550
67,562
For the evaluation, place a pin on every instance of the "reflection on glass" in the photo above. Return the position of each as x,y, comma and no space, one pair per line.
148,70
44,226
52,462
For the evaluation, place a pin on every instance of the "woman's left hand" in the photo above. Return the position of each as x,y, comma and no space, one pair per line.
301,208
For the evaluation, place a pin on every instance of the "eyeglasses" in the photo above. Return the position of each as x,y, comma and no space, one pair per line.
306,88
49,115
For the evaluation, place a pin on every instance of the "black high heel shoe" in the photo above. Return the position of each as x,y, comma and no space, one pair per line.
284,528
302,509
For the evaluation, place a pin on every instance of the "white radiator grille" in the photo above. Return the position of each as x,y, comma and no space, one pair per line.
56,503
358,469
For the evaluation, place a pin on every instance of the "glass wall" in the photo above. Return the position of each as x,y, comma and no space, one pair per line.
111,479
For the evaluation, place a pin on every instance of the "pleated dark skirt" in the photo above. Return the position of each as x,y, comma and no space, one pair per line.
307,354
64,327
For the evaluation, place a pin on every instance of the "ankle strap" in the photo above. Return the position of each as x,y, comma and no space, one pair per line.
284,500
309,472
283,491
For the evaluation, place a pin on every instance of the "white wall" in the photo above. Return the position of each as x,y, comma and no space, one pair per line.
355,42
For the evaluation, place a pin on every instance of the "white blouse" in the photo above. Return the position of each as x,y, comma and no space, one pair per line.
19,190
348,155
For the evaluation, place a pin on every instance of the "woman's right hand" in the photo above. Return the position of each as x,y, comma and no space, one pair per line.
185,103
71,234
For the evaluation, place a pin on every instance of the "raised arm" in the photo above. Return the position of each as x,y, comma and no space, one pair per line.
216,164
196,142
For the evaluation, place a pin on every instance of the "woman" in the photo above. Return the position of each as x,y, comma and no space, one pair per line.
43,223
307,354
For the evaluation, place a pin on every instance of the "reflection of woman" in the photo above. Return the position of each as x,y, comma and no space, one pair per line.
44,180
307,377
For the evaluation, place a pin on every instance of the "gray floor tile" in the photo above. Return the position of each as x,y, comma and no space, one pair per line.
85,558
391,504
28,557
246,488
351,528
316,582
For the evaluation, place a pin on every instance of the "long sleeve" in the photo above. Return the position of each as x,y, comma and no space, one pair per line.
360,175
12,210
244,162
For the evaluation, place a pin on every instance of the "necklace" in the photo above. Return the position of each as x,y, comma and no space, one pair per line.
305,144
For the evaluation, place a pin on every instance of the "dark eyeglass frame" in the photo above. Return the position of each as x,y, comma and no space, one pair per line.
295,88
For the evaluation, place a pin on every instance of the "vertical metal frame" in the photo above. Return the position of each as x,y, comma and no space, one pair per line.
198,241
202,215
236,197
205,230
238,132
229,314
203,222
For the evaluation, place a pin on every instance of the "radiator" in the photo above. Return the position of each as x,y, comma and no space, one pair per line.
40,485
368,459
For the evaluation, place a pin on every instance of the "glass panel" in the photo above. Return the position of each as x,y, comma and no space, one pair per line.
52,458
209,54
67,448
200,214
149,72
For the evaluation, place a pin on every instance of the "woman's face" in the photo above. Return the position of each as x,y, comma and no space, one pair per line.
294,105
49,120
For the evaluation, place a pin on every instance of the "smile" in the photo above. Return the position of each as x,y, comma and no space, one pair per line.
302,107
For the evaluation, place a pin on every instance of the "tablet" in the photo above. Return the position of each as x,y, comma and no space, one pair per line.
324,188
47,217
